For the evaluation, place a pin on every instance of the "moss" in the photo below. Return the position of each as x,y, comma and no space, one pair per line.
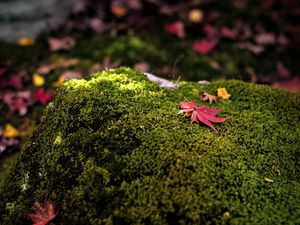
112,150
5,166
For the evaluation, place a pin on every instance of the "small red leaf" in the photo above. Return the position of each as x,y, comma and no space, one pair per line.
176,28
43,213
203,114
43,96
205,46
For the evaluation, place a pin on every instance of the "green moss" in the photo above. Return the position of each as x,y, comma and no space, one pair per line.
112,150
5,166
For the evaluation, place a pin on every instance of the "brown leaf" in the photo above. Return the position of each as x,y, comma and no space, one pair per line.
208,97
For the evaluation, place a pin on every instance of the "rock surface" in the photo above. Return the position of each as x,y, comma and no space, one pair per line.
31,17
113,150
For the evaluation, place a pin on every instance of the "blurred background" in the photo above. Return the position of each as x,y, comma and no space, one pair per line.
45,42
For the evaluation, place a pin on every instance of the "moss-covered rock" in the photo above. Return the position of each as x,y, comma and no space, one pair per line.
113,150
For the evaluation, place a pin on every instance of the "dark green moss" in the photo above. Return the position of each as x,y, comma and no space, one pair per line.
112,150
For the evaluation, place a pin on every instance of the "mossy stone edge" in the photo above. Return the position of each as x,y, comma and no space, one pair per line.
112,150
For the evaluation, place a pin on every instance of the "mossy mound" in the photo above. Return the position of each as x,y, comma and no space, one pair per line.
113,150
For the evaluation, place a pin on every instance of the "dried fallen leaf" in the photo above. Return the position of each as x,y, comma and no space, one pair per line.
18,101
96,24
206,96
10,131
255,49
57,44
69,74
45,69
202,114
43,213
265,39
227,32
62,62
222,93
15,80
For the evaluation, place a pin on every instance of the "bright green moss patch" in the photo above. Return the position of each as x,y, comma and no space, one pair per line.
112,150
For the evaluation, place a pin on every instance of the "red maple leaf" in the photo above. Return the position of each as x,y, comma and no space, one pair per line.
43,96
43,213
176,28
205,46
202,113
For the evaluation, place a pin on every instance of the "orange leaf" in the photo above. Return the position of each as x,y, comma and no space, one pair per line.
118,10
25,41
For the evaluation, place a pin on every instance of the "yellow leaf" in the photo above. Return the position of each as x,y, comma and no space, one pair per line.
38,80
10,131
196,15
25,41
59,82
222,93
